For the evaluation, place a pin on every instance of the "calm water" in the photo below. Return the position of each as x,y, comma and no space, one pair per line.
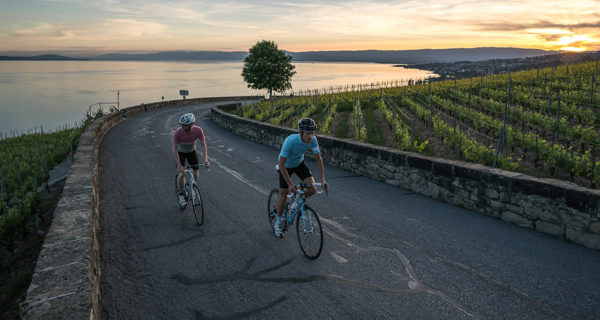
56,93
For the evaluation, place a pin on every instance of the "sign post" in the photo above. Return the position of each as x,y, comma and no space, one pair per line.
184,93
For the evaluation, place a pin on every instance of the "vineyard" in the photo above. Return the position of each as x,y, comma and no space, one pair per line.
541,122
25,162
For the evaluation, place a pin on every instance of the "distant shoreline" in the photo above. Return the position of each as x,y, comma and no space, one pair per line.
45,57
375,56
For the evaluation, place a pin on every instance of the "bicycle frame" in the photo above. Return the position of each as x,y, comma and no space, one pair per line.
191,193
290,216
309,234
188,175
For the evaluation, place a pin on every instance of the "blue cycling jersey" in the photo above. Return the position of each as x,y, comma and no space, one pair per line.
294,148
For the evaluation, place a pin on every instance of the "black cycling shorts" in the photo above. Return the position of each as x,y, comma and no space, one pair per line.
191,157
301,170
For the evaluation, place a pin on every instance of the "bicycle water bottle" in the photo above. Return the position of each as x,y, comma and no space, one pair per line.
295,202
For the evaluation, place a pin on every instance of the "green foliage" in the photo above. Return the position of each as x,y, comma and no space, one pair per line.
373,131
360,129
342,127
399,128
267,67
25,162
15,286
552,115
328,118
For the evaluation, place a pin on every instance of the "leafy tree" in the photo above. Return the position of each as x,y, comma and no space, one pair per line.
267,67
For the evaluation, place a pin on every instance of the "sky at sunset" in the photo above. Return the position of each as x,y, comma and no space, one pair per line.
79,27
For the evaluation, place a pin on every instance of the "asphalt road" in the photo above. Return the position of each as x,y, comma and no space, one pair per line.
388,253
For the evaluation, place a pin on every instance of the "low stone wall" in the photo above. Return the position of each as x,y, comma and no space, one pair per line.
66,281
550,206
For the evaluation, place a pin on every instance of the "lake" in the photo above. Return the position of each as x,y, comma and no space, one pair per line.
58,93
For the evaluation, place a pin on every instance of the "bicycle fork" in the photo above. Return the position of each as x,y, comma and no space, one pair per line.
305,215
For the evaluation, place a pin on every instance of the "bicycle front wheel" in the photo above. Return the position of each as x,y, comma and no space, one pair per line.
197,205
309,233
272,204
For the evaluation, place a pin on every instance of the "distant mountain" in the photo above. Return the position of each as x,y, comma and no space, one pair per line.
417,56
176,55
379,56
43,57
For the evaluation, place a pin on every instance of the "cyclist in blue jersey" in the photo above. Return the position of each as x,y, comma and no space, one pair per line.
291,159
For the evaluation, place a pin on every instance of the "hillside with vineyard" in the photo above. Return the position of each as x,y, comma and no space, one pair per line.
543,122
27,202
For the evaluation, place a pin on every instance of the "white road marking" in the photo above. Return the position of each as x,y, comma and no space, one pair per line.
413,284
339,227
240,177
338,258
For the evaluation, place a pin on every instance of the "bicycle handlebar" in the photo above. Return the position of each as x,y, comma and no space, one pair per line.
188,168
301,187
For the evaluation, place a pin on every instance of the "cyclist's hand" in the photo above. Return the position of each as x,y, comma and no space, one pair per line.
325,185
180,169
206,164
292,189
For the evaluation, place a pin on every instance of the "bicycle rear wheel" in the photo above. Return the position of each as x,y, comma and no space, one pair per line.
197,205
309,233
272,204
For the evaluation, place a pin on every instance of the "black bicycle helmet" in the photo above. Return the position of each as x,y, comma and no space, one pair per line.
307,124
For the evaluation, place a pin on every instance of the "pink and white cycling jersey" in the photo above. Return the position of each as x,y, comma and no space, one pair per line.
186,141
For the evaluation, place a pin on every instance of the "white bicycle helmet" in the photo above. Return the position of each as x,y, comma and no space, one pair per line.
187,118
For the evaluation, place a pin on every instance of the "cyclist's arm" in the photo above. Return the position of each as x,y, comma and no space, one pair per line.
176,155
204,150
321,168
285,174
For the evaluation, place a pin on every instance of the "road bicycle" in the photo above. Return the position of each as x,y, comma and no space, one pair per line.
191,193
308,225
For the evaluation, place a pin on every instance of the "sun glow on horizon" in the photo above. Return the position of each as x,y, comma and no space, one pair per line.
572,43
566,40
574,49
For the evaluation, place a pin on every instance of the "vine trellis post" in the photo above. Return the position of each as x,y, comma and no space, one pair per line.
469,108
592,89
557,117
507,107
593,185
549,96
1,185
412,135
430,107
455,107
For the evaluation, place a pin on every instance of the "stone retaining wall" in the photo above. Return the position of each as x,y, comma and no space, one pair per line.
66,281
550,206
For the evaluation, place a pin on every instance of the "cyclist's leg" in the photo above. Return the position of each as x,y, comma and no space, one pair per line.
193,161
283,191
180,181
306,175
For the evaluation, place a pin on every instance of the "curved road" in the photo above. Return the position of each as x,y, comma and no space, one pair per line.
388,253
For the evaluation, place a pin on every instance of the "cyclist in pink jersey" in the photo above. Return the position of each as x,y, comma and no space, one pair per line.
184,148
